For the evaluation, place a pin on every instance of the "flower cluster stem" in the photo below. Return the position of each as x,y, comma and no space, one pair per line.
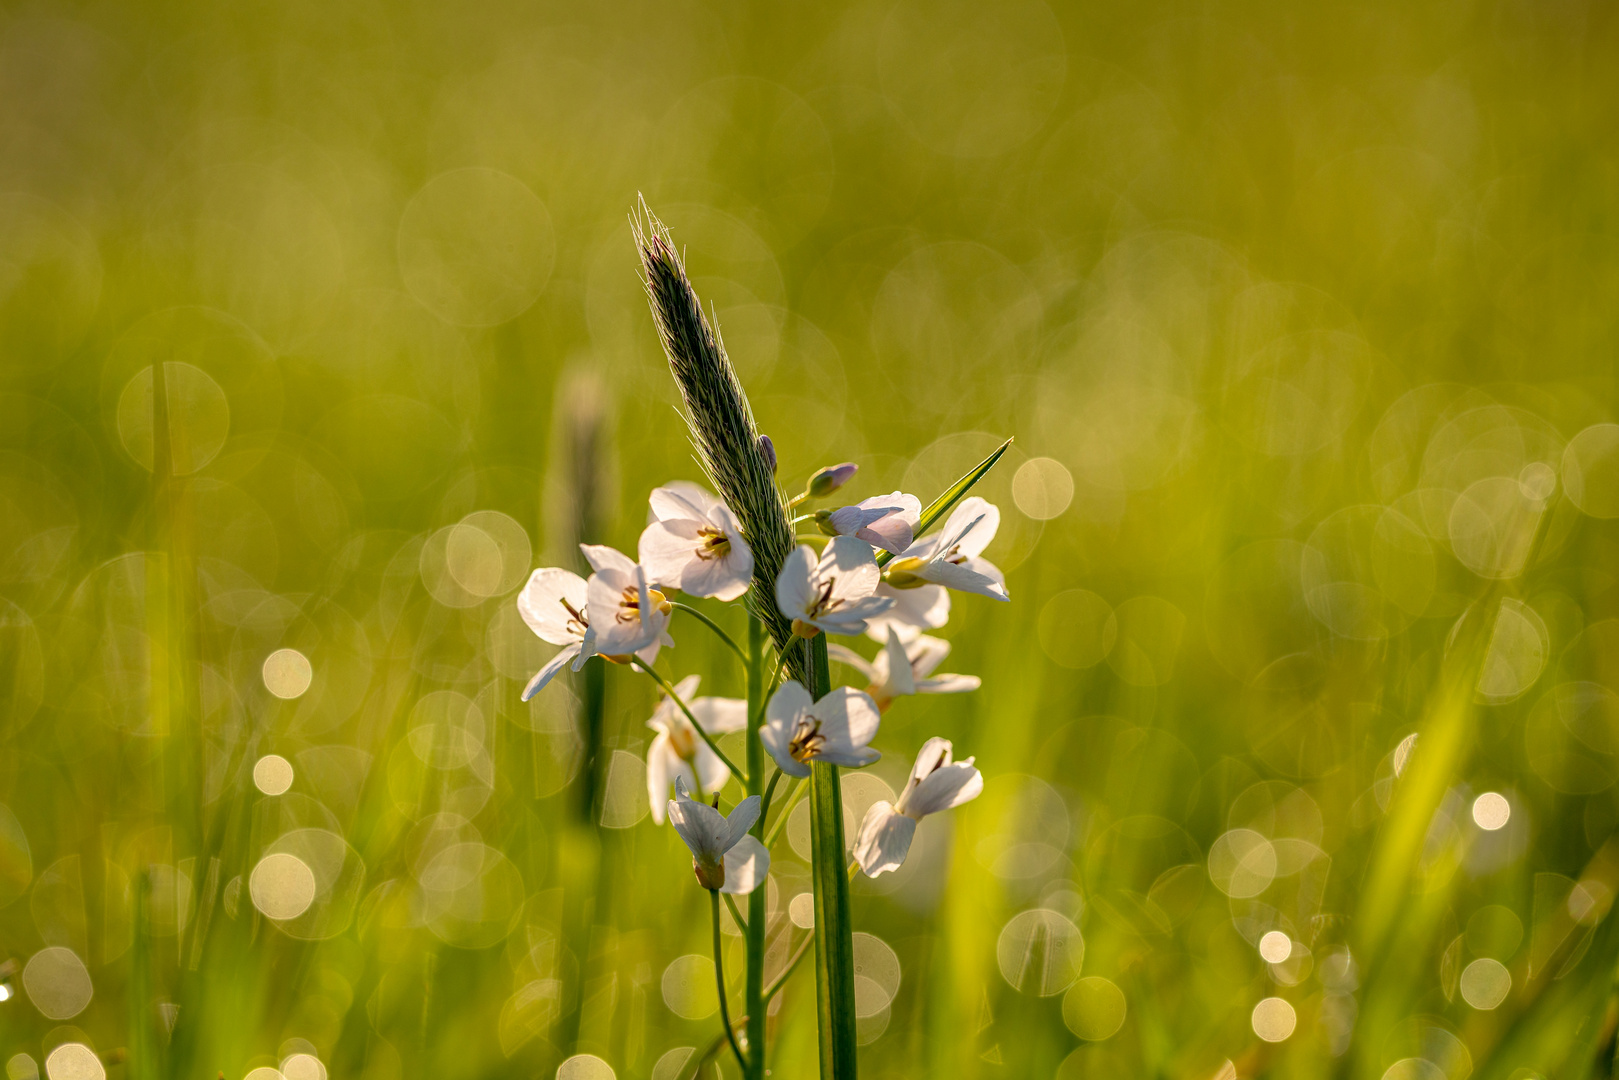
719,979
709,739
757,916
834,940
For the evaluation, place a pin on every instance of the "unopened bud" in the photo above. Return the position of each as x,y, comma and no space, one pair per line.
902,573
830,479
823,521
767,450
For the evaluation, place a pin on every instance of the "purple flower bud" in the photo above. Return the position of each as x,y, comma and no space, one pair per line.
830,479
768,449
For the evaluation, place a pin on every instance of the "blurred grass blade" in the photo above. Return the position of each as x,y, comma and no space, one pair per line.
834,941
142,1002
941,506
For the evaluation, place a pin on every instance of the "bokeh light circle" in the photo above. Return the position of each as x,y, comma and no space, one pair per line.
1485,983
282,886
74,1061
1273,1019
476,247
287,674
57,982
272,774
1491,811
1094,1008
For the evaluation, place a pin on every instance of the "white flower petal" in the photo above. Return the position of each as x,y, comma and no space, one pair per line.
891,533
926,607
666,549
884,839
926,654
852,567
680,499
658,758
900,680
948,684
786,705
552,666
842,654
970,527
541,604
720,715
944,788
795,589
602,558
849,720
702,827
743,815
962,579
723,578
711,771
746,866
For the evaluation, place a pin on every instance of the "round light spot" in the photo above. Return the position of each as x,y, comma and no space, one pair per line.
473,559
585,1067
1040,952
282,886
287,674
801,909
21,1067
1042,488
874,959
272,774
1093,1008
1275,947
57,982
1077,629
1491,811
1242,863
1591,470
688,987
74,1061
264,1072
1537,480
1485,983
1519,645
476,247
303,1067
671,1063
197,412
1273,1019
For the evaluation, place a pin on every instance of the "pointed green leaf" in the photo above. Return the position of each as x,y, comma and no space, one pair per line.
941,506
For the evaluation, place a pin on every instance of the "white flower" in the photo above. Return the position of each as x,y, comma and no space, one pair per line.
556,604
723,855
630,617
935,784
916,608
836,729
694,544
953,557
832,593
678,753
885,521
905,667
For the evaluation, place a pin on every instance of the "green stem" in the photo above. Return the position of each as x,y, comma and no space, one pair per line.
709,739
941,506
834,932
799,787
764,804
699,1058
741,923
714,626
757,916
719,979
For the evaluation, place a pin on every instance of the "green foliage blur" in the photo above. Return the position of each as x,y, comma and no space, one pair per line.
320,329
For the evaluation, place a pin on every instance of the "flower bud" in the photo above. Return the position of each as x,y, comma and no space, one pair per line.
830,479
823,521
901,573
767,450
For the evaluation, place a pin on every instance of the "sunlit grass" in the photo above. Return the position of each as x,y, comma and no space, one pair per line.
320,328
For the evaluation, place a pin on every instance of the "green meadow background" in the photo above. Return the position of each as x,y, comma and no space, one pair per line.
320,328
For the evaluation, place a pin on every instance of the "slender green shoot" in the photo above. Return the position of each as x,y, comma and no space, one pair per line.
714,626
941,506
709,739
719,979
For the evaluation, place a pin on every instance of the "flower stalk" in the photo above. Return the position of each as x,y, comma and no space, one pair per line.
834,933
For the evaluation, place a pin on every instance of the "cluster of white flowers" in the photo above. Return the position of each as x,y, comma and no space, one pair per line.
694,544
